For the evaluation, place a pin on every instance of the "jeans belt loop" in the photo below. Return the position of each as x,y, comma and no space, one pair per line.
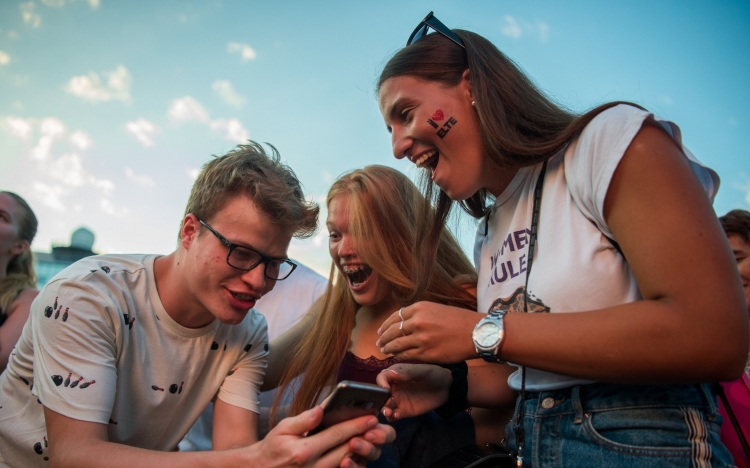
710,398
575,398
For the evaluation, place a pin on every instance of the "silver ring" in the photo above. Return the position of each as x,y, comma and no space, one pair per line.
399,314
401,325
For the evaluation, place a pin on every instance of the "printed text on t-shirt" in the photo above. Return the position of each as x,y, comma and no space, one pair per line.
502,269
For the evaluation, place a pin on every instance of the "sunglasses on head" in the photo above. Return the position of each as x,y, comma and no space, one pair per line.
430,22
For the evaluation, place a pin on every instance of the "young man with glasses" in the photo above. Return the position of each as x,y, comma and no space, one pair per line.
122,352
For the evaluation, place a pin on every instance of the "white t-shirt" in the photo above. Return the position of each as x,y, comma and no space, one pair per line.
289,300
576,267
100,347
283,306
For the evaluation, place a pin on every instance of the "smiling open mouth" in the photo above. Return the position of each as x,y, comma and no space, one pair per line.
428,160
356,275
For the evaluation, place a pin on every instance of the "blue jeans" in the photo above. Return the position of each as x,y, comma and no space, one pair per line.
614,426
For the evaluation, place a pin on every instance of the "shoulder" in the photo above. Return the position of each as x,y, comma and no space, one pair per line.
22,302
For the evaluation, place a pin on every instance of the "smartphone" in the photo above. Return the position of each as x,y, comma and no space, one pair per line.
351,400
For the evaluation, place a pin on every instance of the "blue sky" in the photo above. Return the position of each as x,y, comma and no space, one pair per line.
108,108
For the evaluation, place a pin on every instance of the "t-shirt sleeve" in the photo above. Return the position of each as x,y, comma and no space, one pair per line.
241,386
591,159
75,351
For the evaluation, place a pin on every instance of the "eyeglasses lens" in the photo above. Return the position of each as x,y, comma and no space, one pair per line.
246,259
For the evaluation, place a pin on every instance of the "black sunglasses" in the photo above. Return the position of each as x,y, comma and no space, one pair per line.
428,22
245,258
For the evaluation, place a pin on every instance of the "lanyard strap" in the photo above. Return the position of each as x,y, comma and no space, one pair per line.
520,441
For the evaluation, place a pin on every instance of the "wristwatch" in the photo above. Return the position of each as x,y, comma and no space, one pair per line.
488,336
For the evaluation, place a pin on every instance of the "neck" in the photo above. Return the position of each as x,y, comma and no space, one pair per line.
174,295
497,178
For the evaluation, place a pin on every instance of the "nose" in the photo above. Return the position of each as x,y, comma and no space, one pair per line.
400,142
346,247
256,278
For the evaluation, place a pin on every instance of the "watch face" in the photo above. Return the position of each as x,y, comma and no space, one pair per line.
487,334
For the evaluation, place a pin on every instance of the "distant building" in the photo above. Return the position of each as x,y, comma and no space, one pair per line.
48,265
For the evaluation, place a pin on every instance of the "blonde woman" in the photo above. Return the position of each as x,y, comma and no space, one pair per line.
376,218
17,277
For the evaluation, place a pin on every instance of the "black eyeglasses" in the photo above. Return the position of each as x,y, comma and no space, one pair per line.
428,22
245,258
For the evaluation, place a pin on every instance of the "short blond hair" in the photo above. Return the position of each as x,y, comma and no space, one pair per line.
271,184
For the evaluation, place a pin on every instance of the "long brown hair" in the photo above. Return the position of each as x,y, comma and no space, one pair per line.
520,125
20,273
385,210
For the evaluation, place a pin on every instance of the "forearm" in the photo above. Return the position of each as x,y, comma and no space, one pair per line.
281,350
647,341
488,386
111,455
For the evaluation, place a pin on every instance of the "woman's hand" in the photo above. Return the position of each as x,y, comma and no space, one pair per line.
415,389
429,332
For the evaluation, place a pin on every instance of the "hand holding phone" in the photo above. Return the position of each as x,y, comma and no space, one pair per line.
351,400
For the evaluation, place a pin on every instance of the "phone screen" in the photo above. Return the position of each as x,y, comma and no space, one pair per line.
351,400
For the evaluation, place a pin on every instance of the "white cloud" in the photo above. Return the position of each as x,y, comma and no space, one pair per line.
19,128
232,128
515,28
511,28
92,88
68,169
143,130
94,4
108,207
186,109
192,172
29,14
50,195
140,179
51,130
13,35
5,58
225,90
246,52
81,140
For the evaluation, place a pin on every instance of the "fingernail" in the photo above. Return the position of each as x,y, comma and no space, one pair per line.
380,331
357,445
382,350
370,437
377,343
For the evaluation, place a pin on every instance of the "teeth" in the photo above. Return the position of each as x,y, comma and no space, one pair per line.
422,159
243,297
352,269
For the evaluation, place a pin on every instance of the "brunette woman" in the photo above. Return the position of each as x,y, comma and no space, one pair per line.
600,226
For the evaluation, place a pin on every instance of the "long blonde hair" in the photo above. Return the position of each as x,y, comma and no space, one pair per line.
386,211
20,273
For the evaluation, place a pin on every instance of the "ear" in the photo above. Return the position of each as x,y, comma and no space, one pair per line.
466,85
189,231
19,248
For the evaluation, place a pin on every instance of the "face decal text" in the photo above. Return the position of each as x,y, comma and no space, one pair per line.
446,127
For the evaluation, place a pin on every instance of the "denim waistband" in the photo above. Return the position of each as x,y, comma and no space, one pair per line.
591,398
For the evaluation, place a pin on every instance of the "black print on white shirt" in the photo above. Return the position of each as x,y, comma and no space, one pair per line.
48,311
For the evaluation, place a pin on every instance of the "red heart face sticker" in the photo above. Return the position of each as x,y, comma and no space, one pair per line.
438,115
